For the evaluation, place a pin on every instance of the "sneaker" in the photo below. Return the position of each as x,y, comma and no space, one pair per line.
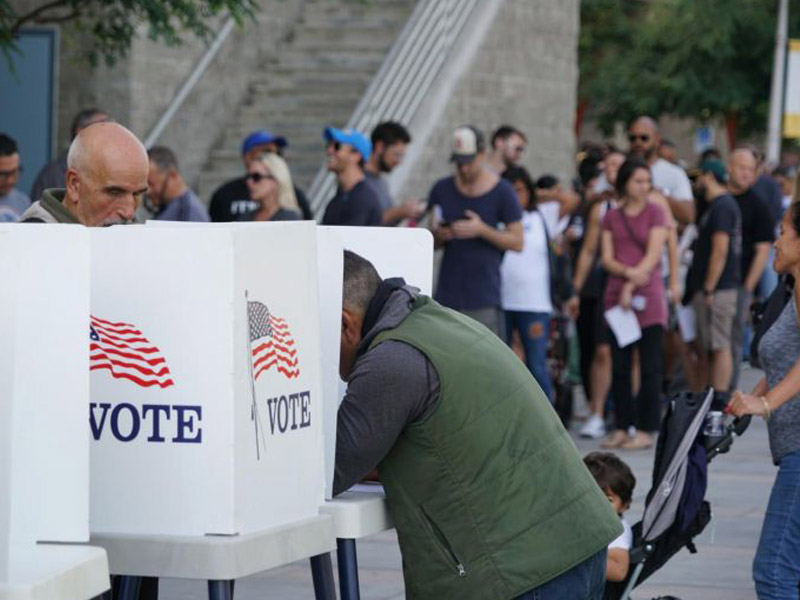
593,428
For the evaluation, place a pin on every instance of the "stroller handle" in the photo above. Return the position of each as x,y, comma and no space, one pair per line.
740,424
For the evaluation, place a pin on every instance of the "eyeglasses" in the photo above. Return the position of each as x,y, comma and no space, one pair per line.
335,145
632,137
11,173
257,177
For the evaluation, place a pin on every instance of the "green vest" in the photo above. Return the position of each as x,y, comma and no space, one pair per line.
488,493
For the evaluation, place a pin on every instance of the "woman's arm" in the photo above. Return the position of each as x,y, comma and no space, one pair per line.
617,564
611,264
591,242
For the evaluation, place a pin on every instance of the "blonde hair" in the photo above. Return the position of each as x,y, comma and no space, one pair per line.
280,171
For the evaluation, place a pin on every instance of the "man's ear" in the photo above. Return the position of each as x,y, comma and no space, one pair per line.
351,327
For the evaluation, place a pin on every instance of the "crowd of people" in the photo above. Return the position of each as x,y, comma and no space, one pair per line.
686,253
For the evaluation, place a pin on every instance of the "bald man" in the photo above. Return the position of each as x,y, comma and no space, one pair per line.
758,233
107,168
669,179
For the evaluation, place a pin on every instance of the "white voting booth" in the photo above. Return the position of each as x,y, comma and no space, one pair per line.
44,388
395,252
205,382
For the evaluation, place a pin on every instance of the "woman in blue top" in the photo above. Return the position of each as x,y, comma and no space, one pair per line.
776,568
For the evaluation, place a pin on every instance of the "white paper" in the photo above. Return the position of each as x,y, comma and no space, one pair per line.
624,325
687,323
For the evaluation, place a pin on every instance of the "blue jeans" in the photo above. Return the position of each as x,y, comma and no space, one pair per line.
534,331
776,568
586,581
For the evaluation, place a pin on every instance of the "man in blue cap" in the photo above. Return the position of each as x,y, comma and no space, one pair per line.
357,201
231,201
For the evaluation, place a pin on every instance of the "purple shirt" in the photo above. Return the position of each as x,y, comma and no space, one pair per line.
630,246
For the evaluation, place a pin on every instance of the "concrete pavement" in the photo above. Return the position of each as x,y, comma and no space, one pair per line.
739,486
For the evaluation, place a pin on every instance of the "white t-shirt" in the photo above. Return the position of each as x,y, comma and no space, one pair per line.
525,276
625,539
671,180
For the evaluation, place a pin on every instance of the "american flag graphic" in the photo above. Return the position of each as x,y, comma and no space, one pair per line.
271,342
127,354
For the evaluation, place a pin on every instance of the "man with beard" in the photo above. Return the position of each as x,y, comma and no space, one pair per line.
714,277
508,146
467,209
669,179
389,143
107,168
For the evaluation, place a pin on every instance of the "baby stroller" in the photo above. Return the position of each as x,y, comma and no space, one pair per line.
675,509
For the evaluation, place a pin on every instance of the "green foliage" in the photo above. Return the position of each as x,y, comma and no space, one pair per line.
113,24
687,58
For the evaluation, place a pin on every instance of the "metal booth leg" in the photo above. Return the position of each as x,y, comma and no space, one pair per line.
322,573
348,569
127,587
220,590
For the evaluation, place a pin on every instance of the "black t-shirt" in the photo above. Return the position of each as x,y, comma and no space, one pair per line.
723,215
231,202
360,205
283,214
758,226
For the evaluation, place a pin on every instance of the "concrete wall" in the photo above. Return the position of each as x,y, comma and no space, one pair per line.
524,73
139,88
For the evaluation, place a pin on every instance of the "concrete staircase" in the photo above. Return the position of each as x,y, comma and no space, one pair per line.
316,79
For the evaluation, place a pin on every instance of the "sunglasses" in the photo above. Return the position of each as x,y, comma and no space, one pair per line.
518,149
335,145
11,173
633,137
257,177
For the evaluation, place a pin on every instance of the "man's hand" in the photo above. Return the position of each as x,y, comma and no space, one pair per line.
470,227
413,208
573,307
708,299
441,235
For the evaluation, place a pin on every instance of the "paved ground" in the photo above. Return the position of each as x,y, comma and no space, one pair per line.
739,485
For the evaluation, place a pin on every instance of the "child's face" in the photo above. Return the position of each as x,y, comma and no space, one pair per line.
616,502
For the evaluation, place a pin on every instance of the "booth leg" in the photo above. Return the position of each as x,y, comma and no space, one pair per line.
322,573
348,569
127,587
220,590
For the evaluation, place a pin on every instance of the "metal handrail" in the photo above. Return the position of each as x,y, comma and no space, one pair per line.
406,75
188,85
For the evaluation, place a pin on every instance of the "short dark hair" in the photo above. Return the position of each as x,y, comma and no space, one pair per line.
516,173
709,153
8,145
547,181
611,474
390,133
83,118
626,171
361,281
163,157
506,131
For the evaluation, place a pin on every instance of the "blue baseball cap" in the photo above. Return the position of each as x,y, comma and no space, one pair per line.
261,138
351,137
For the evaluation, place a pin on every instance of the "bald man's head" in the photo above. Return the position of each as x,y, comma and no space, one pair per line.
644,139
107,169
742,169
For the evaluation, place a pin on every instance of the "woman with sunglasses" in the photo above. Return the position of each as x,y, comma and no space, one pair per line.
633,239
270,184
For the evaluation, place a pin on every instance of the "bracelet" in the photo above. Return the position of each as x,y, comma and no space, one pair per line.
767,411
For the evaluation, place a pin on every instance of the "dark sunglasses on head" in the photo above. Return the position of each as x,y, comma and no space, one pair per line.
632,137
256,177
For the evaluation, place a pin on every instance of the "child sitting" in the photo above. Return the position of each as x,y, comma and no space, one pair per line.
617,481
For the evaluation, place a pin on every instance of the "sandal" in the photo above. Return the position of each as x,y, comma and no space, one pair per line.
641,441
617,439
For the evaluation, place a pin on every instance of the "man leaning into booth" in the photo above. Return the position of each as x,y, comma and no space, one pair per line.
489,495
107,169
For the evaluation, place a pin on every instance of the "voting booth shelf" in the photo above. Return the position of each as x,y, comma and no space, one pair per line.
205,407
44,387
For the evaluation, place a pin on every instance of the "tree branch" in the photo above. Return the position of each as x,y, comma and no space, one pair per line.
36,13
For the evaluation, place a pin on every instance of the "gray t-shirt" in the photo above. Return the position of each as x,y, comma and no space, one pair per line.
12,205
779,350
382,188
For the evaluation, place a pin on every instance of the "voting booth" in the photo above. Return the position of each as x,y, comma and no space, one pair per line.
205,408
44,388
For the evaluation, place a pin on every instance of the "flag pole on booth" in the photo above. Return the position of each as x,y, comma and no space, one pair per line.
254,416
